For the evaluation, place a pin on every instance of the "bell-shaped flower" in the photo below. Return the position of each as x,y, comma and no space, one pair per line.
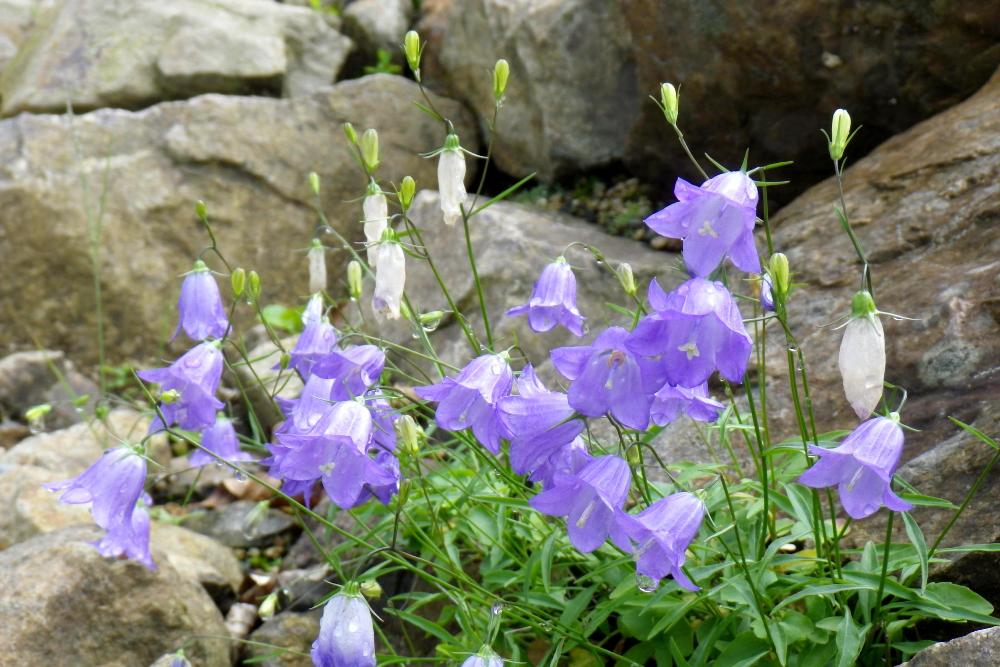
469,400
565,460
376,212
316,258
202,314
553,301
671,401
694,331
316,341
862,467
715,220
862,356
662,533
195,377
384,418
113,485
354,370
451,179
590,500
390,278
766,294
219,438
606,377
484,658
346,634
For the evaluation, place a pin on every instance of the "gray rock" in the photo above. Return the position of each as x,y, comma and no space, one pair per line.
248,158
55,582
287,639
16,19
44,376
29,509
977,649
379,24
113,53
12,432
242,524
305,588
199,558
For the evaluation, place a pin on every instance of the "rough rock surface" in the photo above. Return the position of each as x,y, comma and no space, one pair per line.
379,24
241,524
30,509
54,582
291,631
248,158
978,649
16,20
133,53
43,376
198,558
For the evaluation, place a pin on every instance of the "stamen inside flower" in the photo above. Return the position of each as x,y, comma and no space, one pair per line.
327,468
587,511
707,230
691,349
854,478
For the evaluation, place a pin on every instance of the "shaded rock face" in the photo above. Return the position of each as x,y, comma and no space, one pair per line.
133,53
248,158
378,24
290,636
43,376
53,582
978,649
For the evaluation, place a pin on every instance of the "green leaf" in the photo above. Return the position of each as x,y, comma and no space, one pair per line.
571,613
743,651
503,195
286,318
920,544
956,596
849,640
546,560
976,432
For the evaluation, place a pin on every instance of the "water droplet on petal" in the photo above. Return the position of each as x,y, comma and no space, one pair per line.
646,584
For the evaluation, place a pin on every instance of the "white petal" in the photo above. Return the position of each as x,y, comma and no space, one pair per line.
862,363
451,185
390,278
376,212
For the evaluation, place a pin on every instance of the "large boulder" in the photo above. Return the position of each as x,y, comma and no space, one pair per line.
44,376
103,611
977,649
130,178
133,53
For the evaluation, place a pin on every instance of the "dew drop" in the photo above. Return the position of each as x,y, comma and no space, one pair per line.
646,584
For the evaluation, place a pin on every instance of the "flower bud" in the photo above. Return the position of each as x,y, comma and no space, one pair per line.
501,72
778,268
409,434
404,493
411,47
407,189
431,320
238,281
314,182
626,278
369,149
170,396
201,210
284,360
371,589
862,356
350,133
840,132
670,100
354,276
36,413
633,456
268,606
317,267
253,282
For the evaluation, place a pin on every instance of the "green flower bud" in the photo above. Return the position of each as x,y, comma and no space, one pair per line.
369,149
238,280
253,281
36,413
81,400
314,182
170,396
451,142
101,411
370,589
404,493
626,278
268,606
354,275
840,132
351,134
501,72
407,189
862,304
411,47
409,434
778,269
404,310
633,456
201,210
670,99
430,320
284,360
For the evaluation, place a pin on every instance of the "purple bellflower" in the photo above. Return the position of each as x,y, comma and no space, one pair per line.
553,301
695,330
113,485
316,341
662,533
716,221
195,376
202,314
469,400
607,377
567,460
590,500
670,402
355,369
862,467
221,439
766,294
484,658
383,420
346,634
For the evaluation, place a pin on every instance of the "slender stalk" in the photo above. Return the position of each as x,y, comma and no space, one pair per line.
885,568
475,278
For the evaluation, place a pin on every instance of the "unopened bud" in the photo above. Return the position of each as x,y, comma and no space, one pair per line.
369,149
431,319
350,133
501,72
253,282
840,132
626,278
170,396
370,589
81,400
670,100
284,360
354,276
778,269
404,310
268,606
36,413
633,456
317,267
404,493
314,182
238,281
409,434
411,47
407,189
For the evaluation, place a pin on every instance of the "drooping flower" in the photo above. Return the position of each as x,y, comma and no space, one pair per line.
566,460
553,301
484,658
862,467
390,278
606,377
451,179
202,314
316,341
354,370
376,212
662,533
694,330
862,356
671,401
317,267
766,294
346,634
113,485
384,418
195,377
590,500
716,221
469,400
220,438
